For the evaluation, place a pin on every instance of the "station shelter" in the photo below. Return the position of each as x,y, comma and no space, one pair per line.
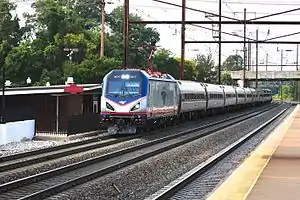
58,109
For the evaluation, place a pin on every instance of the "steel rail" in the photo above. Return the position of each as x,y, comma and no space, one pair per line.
81,172
179,183
66,150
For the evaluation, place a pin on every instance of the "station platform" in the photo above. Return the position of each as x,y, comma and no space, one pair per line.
272,171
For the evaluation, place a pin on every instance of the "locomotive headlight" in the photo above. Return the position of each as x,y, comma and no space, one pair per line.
109,106
137,106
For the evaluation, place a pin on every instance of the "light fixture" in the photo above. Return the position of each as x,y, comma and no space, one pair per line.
7,83
70,80
28,80
125,76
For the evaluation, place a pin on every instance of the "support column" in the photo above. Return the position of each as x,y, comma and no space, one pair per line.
245,53
126,32
57,114
256,68
183,9
297,58
220,42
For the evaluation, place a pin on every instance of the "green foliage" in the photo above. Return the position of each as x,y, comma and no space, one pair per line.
90,70
227,80
205,69
38,50
233,63
10,31
285,92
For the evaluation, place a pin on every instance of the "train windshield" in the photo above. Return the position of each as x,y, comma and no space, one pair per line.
124,84
123,88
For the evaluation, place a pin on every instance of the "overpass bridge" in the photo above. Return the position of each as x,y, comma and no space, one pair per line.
265,75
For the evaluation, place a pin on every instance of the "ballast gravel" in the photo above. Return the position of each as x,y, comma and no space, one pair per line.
25,146
56,163
144,178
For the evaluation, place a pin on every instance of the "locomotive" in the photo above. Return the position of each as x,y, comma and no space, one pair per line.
135,99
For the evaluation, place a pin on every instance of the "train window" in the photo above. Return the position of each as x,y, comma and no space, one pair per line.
230,95
215,96
194,97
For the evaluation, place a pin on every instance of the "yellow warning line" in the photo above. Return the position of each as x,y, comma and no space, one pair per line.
240,183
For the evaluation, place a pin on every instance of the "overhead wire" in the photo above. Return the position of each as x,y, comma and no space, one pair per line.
207,46
249,33
176,8
22,1
193,39
252,2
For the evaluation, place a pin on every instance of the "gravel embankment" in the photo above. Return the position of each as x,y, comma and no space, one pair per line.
146,177
52,164
201,187
25,146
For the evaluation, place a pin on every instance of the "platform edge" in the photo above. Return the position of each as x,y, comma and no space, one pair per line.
241,181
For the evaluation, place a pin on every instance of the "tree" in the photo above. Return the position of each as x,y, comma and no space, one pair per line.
164,62
226,79
10,32
205,69
233,63
57,25
287,92
139,34
91,70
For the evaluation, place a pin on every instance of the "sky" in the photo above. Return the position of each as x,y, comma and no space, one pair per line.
170,34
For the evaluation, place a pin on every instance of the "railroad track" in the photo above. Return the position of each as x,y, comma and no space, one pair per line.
183,181
45,155
54,181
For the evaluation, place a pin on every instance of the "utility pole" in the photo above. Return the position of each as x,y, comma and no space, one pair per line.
2,121
220,39
281,59
267,58
281,62
281,90
125,32
297,57
249,56
182,39
102,28
245,53
267,55
256,70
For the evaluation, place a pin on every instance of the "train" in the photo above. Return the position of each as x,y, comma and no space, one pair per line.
140,99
